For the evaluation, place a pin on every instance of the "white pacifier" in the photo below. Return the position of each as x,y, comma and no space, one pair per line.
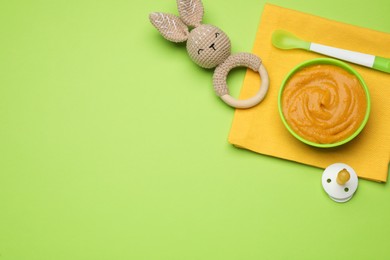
340,182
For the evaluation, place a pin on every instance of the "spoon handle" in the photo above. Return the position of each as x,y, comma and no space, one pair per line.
351,56
363,59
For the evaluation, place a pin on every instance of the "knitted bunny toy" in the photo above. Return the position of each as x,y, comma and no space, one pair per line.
209,47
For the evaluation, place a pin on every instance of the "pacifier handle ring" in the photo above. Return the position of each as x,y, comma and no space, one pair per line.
238,60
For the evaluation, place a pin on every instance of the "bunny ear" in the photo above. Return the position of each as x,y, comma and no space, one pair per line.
170,26
191,11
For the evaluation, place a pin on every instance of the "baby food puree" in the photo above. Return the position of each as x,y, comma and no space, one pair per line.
324,103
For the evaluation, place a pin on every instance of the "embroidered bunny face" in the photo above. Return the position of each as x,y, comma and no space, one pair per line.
209,47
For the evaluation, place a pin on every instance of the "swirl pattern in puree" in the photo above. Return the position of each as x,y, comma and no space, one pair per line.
324,103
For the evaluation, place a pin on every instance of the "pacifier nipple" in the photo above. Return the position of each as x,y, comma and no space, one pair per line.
343,177
340,182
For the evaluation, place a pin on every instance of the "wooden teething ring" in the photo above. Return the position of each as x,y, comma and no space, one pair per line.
240,60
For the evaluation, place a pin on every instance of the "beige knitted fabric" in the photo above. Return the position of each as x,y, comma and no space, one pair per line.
170,26
191,12
207,45
236,60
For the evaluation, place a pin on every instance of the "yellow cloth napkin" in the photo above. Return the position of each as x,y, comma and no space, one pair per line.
260,129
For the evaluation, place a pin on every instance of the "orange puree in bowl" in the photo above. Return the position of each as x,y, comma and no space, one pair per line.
324,103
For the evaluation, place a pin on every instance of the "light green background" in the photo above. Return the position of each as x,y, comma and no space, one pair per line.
113,144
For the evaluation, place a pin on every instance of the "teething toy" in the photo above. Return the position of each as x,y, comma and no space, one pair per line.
209,47
340,182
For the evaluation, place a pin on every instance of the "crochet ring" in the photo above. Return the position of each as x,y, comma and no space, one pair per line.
240,60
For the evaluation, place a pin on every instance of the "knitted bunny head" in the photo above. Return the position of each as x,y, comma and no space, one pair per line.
209,47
